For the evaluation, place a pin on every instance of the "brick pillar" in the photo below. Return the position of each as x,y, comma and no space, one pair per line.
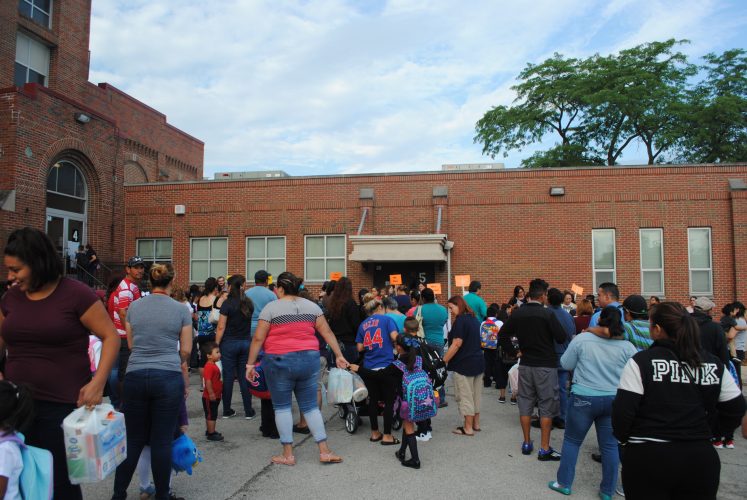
738,195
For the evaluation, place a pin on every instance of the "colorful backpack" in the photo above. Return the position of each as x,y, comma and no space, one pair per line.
489,334
36,477
417,392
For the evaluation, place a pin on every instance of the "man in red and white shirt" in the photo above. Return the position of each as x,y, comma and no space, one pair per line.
119,301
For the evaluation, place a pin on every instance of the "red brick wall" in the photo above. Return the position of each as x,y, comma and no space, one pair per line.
506,228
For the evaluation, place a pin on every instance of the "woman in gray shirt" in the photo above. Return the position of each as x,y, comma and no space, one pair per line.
159,333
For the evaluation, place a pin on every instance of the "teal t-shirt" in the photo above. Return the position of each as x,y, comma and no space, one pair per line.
399,319
478,305
434,319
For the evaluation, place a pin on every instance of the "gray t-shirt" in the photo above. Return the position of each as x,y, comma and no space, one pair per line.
157,321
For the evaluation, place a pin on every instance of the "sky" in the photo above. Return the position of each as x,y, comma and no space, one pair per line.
344,87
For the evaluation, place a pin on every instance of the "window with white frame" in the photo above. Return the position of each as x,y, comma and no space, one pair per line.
265,252
208,257
324,254
155,250
652,262
37,10
32,61
603,256
699,258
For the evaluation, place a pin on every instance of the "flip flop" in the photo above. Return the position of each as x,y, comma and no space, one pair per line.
477,430
459,431
376,440
329,458
390,443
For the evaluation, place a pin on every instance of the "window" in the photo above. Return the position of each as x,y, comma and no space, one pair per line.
652,262
603,256
208,257
32,61
155,250
324,255
266,253
699,258
38,10
66,188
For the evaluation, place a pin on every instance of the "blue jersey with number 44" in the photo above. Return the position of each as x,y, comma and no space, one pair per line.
374,333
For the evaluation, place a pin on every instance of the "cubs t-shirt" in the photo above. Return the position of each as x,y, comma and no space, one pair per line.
374,333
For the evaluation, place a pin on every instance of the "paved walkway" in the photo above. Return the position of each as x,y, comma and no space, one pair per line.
489,465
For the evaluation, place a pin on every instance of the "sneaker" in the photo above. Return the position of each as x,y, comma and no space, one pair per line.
513,401
215,436
249,416
502,399
718,444
619,490
729,444
604,496
527,448
548,455
411,463
424,437
172,496
555,486
229,413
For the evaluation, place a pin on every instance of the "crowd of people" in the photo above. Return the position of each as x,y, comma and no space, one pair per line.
660,382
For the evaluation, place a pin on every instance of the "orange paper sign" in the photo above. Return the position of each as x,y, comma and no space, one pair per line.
577,289
462,279
436,287
335,276
395,279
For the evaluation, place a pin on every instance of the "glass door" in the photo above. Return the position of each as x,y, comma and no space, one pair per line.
56,231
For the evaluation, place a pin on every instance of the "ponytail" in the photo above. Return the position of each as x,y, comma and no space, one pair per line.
681,328
235,291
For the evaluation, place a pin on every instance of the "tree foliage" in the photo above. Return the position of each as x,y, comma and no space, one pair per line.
597,107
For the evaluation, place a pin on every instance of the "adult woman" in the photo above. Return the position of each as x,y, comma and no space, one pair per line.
568,303
233,335
286,332
45,320
344,317
584,310
375,339
390,304
414,302
206,329
518,298
653,300
660,411
466,362
156,381
740,341
92,263
597,364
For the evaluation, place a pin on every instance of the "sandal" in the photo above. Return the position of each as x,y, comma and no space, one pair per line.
476,429
329,458
390,443
376,440
283,460
459,431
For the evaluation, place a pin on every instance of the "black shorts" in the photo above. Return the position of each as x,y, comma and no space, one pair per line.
124,358
210,408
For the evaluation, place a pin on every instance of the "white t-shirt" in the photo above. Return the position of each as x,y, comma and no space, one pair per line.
741,339
11,465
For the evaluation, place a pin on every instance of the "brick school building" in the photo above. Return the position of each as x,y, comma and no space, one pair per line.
669,231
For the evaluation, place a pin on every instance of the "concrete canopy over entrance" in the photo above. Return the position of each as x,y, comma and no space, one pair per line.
399,248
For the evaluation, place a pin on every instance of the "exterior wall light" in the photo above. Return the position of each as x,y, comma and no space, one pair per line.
82,118
557,191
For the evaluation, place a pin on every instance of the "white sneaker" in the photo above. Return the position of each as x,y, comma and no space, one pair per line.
424,437
619,490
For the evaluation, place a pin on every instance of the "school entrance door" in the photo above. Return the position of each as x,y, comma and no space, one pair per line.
412,273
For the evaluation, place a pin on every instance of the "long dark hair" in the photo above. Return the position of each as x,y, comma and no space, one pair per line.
341,295
612,319
36,250
680,327
210,285
235,291
408,344
16,407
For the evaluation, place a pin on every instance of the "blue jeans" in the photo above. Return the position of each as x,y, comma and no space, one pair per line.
294,372
151,409
582,412
234,355
563,392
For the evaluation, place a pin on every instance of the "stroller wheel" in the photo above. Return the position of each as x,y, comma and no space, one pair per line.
351,422
396,423
342,410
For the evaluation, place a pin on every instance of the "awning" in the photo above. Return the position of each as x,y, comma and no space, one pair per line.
398,248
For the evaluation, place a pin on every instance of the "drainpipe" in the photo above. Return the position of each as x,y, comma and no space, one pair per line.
448,245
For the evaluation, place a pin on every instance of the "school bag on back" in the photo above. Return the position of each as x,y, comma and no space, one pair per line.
433,364
35,482
489,334
417,392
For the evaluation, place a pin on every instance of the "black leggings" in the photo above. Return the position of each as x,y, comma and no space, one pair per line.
490,374
677,470
380,388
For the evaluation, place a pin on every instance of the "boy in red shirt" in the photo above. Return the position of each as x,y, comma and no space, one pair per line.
213,389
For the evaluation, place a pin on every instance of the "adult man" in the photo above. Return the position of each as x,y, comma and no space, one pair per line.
555,301
608,295
403,299
260,297
120,300
537,330
712,337
81,264
475,302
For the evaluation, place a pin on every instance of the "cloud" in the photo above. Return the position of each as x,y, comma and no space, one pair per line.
337,86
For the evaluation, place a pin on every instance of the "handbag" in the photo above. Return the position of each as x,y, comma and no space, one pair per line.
214,316
419,317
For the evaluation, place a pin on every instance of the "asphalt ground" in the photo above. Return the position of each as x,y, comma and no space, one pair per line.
489,465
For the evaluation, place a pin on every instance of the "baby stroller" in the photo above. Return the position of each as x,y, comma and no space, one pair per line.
352,412
351,400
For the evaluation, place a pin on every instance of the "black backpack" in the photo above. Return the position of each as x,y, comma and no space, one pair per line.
433,364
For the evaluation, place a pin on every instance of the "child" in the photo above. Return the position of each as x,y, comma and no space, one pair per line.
16,407
213,389
407,348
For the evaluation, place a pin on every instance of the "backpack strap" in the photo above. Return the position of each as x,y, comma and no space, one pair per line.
12,438
418,363
399,364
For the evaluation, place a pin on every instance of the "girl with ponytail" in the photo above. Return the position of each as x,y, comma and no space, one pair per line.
666,397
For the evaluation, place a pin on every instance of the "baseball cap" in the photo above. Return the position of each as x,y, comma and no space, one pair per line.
135,261
704,303
261,276
635,304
